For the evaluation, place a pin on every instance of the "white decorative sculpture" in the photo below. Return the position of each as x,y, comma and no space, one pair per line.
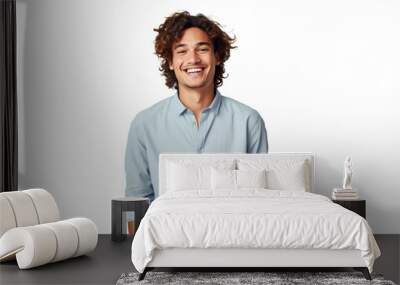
348,173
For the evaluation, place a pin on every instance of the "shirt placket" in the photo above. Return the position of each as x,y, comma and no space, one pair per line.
192,129
202,130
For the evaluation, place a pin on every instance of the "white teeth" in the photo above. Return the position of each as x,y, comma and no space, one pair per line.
193,70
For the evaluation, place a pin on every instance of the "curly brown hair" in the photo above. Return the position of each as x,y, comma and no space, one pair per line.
171,31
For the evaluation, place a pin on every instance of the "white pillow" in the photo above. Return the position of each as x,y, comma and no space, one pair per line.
188,175
282,174
236,179
223,179
251,179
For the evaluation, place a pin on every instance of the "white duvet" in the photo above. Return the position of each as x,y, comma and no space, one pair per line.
251,218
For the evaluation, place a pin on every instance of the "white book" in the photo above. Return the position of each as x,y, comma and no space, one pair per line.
345,194
334,197
341,190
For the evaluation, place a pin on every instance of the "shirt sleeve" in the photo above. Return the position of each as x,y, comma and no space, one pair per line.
257,141
138,181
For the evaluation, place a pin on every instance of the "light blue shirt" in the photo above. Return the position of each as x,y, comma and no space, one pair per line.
226,126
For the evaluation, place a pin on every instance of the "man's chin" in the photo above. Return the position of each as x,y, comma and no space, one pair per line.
196,86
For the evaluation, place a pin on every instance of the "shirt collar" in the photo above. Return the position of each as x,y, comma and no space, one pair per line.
179,108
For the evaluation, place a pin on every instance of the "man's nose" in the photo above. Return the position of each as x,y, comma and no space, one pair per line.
193,57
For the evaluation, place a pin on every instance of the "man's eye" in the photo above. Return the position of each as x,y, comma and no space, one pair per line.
181,51
204,49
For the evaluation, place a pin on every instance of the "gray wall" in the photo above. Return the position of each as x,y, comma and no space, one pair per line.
324,75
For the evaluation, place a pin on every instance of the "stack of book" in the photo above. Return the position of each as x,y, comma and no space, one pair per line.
344,194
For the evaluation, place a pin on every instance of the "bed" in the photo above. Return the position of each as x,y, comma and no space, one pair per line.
245,211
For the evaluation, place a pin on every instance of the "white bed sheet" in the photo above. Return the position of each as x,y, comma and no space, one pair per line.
250,218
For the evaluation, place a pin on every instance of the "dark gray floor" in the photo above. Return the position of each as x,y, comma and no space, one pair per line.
102,266
389,262
110,260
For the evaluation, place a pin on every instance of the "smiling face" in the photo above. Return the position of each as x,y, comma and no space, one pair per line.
193,60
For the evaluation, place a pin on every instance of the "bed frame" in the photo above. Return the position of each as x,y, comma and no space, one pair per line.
246,259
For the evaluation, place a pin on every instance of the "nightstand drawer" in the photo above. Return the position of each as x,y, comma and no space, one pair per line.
357,206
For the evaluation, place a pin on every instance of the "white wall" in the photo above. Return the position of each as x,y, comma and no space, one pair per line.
323,74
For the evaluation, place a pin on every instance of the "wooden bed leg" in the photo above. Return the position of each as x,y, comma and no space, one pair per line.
364,271
143,274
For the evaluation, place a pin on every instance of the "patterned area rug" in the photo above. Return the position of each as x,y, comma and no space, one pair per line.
269,278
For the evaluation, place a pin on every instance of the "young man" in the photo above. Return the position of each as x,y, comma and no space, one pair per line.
197,119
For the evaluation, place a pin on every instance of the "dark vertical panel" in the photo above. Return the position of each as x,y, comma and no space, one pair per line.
8,98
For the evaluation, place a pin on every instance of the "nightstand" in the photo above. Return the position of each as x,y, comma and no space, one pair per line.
119,208
357,206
